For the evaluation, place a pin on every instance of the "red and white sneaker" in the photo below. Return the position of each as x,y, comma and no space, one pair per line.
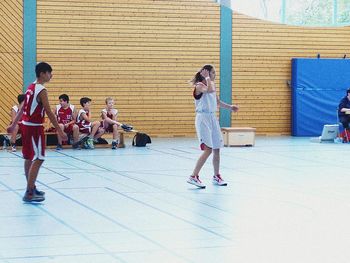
195,181
217,180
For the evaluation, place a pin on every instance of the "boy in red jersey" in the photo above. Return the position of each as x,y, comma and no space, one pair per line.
86,126
33,138
17,129
109,121
66,115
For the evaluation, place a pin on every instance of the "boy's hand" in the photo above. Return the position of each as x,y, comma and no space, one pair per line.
10,128
63,135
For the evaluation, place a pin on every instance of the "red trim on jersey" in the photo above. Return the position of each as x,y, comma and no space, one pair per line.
33,141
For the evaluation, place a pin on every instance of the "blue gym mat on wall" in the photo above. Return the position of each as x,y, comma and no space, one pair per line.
317,88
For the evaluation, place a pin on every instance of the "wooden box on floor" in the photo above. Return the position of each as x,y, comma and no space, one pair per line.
239,136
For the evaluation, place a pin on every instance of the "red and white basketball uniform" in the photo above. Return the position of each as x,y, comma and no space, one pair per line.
15,109
33,138
65,116
84,126
110,114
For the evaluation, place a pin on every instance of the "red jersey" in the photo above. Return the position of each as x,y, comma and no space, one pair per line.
64,116
33,112
111,113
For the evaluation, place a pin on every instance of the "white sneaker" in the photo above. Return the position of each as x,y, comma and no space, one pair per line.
195,181
217,180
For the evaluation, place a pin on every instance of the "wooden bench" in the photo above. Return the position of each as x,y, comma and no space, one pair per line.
238,136
121,132
121,143
47,134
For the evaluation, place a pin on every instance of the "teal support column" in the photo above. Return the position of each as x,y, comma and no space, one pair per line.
335,12
283,12
29,42
225,64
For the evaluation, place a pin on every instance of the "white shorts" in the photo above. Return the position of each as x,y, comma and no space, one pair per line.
208,130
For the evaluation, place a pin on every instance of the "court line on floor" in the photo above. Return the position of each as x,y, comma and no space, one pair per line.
146,183
110,170
112,220
169,214
82,235
51,256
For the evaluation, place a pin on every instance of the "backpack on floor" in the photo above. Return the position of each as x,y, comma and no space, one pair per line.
141,139
101,141
4,139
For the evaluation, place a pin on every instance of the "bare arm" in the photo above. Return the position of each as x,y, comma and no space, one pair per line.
200,88
224,105
43,98
84,116
55,112
13,115
343,105
109,120
74,116
344,109
15,120
210,84
115,117
104,115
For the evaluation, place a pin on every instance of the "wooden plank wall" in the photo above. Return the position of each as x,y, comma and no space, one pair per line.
11,53
142,53
261,60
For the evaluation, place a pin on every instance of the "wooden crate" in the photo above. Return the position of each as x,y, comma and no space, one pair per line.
240,136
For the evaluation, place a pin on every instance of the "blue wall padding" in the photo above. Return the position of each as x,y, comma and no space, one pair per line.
318,85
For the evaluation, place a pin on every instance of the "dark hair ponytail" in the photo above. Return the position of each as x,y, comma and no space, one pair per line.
198,77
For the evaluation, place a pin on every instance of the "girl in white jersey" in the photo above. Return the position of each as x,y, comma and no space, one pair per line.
207,124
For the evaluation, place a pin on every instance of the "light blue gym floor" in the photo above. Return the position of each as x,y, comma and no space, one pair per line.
287,200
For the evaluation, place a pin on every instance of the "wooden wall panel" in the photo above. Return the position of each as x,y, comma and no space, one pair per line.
261,59
140,52
11,57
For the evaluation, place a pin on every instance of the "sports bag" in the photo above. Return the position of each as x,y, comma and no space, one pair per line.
141,139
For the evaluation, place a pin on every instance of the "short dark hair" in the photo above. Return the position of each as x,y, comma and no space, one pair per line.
84,100
64,97
348,91
21,98
42,67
